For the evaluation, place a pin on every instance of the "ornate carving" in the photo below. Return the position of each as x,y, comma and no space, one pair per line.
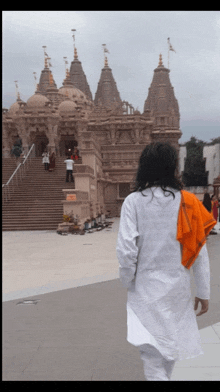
122,177
125,137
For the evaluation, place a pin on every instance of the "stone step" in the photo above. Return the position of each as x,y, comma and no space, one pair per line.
38,198
31,228
16,206
39,211
33,212
38,207
29,218
40,190
32,221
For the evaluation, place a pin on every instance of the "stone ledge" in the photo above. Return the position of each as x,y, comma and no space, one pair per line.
81,175
83,169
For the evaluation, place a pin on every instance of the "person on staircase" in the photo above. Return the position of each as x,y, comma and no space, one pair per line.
69,169
75,154
215,206
46,159
52,162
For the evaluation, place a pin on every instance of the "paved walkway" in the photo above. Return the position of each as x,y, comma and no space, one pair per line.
73,324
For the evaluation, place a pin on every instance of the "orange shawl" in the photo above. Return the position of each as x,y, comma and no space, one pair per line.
194,225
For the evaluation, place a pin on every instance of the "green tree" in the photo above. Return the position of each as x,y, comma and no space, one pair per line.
194,171
213,141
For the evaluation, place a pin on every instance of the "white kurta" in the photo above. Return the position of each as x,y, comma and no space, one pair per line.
45,156
159,305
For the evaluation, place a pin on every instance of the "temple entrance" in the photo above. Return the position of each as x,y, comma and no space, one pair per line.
41,142
67,145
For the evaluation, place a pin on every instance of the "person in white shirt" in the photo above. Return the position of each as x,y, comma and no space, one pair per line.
160,313
69,169
46,159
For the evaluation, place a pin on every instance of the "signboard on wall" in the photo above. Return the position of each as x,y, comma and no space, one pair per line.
71,197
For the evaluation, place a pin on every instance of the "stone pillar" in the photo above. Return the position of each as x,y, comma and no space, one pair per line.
25,141
23,133
5,144
112,129
52,135
81,127
75,204
136,134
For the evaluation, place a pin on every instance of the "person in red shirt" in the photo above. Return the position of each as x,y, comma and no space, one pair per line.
215,206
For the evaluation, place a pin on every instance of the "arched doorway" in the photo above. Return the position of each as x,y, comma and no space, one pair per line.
67,145
41,142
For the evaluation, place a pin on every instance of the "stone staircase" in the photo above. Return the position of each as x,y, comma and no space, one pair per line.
36,202
8,167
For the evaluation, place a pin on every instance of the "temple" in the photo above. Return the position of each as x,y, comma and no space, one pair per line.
108,133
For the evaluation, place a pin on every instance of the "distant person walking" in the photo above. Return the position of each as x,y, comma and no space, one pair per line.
162,234
207,202
69,169
46,160
219,214
52,162
215,206
75,154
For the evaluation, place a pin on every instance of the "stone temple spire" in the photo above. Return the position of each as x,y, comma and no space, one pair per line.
51,92
45,78
107,93
78,76
161,102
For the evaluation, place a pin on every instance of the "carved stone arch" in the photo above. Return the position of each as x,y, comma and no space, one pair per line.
38,136
67,143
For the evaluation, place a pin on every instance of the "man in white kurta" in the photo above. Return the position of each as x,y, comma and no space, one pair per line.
159,305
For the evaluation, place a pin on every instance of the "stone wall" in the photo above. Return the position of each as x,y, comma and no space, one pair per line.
212,155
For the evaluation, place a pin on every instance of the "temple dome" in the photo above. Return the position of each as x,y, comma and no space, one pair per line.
66,106
73,93
15,106
37,101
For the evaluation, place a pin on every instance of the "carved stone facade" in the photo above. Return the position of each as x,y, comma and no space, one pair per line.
107,132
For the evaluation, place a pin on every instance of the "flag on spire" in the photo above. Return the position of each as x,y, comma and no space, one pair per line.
73,36
170,46
105,49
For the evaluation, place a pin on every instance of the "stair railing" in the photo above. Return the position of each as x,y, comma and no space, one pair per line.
20,171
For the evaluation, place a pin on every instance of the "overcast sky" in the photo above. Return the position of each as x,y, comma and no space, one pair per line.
134,39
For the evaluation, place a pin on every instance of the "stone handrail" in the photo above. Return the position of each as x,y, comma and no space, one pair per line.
19,173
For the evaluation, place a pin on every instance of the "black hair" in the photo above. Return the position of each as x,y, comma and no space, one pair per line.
207,202
158,167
